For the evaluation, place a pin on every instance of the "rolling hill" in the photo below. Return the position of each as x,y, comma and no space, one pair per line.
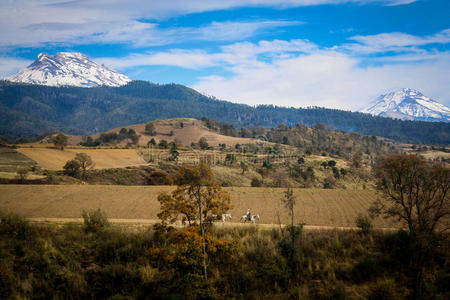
26,111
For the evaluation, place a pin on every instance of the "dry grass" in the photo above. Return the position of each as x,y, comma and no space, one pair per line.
314,207
53,159
191,131
433,154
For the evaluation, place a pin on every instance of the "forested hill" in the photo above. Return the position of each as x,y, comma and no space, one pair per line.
30,110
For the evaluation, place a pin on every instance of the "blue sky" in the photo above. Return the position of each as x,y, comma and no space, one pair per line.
331,53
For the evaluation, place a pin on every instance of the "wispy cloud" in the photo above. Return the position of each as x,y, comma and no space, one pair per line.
35,23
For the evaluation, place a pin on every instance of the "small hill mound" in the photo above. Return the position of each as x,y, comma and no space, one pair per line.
183,131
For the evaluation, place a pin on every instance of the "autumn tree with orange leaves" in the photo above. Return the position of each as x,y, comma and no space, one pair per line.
197,197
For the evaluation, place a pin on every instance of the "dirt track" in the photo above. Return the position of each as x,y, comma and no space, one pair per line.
143,223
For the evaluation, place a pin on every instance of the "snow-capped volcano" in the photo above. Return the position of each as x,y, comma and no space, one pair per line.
69,68
408,104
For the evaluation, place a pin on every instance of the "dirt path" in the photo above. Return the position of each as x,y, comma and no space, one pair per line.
148,222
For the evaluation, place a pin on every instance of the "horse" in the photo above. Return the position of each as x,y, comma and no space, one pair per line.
222,217
253,218
225,216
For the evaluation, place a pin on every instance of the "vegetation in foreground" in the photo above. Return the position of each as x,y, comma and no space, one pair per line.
200,261
97,261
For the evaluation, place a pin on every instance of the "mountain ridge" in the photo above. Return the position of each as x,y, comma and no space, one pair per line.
408,104
71,69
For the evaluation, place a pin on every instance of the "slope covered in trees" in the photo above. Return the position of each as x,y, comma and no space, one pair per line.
30,110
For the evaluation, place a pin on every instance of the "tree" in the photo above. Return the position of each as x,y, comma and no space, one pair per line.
60,140
357,160
22,174
150,128
197,197
173,152
289,201
244,167
203,143
85,162
416,193
163,144
72,168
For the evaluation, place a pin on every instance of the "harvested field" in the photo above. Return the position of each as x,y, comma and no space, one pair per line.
53,159
336,208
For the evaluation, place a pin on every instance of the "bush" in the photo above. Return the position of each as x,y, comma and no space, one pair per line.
94,220
329,183
256,182
159,177
364,223
15,226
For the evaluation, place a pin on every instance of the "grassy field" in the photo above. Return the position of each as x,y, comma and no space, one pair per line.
314,207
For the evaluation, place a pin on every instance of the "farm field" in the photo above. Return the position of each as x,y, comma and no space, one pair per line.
54,159
315,207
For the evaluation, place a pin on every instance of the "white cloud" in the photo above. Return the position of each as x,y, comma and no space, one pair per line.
300,73
328,79
33,23
399,39
11,65
194,59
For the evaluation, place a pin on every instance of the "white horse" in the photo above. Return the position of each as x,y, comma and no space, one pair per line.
253,218
224,217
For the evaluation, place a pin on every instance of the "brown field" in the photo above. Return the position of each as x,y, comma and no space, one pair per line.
336,208
53,159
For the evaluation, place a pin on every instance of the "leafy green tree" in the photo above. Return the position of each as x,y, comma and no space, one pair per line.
60,140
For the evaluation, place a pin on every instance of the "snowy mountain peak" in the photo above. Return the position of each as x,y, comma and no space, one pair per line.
408,104
69,68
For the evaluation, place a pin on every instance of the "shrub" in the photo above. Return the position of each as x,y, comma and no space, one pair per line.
15,226
94,220
364,223
22,174
256,182
159,177
329,183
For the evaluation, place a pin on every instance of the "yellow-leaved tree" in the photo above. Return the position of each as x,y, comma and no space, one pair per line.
196,199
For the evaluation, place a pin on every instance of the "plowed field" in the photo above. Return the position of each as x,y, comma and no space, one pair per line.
317,207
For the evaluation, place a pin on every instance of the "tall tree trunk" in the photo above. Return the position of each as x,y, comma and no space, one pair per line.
202,227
